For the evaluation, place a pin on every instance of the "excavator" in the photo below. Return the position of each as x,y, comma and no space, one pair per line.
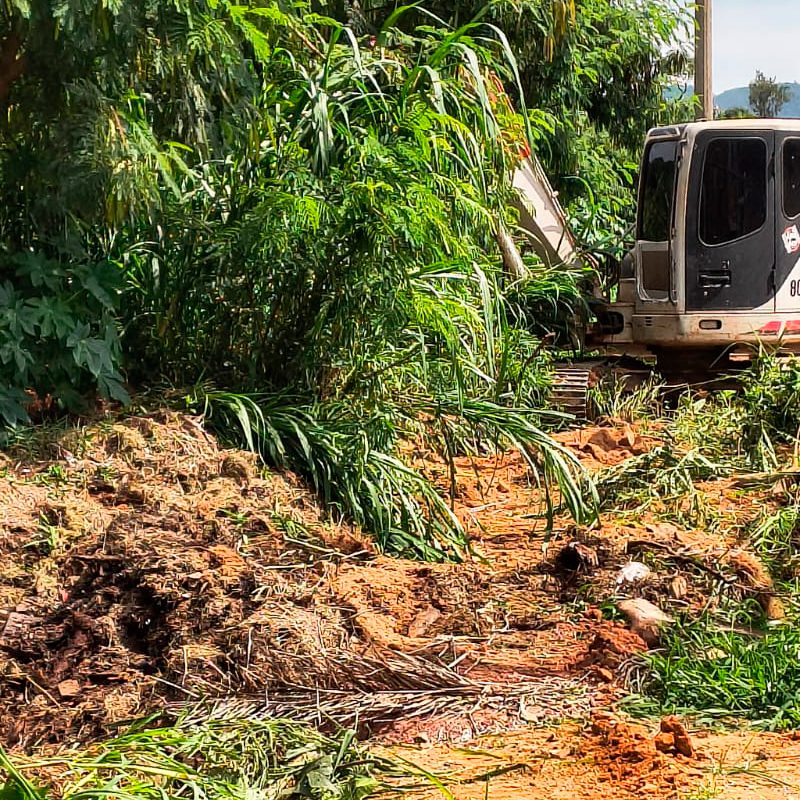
714,275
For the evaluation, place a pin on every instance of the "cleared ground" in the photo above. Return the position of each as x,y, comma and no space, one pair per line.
146,569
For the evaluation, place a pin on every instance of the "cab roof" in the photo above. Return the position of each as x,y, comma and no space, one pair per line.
687,128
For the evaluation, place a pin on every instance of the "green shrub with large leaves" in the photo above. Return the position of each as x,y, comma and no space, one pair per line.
299,211
58,333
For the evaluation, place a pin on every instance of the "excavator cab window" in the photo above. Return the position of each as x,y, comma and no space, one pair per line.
733,195
791,178
658,188
656,197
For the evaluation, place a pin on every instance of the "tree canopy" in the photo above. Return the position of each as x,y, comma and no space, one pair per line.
767,96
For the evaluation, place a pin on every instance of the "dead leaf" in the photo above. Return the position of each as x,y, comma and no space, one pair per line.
69,688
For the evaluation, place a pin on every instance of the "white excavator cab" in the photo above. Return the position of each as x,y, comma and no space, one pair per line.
716,265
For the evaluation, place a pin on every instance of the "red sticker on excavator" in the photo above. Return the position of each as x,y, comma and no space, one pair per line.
791,239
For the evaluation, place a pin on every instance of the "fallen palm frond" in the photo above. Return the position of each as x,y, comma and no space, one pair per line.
379,670
550,698
663,475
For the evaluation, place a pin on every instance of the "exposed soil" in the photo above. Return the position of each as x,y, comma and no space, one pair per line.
614,760
143,568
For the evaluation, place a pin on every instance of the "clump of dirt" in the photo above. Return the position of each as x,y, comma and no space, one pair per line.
674,738
612,646
610,757
627,756
607,446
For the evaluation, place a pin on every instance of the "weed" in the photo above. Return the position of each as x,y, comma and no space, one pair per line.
614,397
54,475
706,792
746,428
220,760
770,401
49,536
704,669
238,518
402,509
709,423
774,536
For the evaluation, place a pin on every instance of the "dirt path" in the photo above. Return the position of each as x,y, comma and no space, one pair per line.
145,568
570,762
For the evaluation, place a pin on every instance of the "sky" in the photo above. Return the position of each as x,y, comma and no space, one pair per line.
755,34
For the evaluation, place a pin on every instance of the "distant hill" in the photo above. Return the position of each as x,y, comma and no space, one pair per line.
739,98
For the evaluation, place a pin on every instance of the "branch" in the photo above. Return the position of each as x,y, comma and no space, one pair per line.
512,260
12,64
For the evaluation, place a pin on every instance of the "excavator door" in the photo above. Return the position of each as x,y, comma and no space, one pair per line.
730,222
787,222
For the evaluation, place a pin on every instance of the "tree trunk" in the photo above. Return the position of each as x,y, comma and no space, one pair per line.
12,64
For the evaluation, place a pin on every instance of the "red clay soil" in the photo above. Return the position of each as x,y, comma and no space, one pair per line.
144,568
615,760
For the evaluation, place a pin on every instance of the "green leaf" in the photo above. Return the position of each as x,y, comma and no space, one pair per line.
13,413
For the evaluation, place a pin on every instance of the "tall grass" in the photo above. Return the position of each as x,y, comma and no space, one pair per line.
350,461
753,427
342,285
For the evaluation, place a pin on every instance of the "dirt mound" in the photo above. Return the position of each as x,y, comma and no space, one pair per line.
147,563
146,567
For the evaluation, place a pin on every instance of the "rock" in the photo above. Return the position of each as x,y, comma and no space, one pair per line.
665,743
645,619
634,572
603,722
604,674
